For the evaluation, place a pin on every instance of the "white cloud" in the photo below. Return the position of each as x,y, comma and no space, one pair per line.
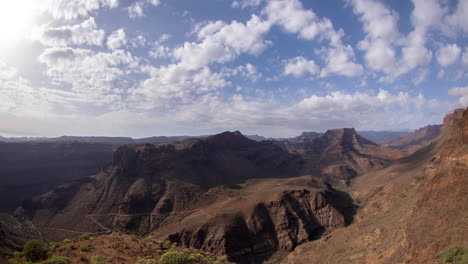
136,9
448,54
221,42
246,3
117,39
465,57
383,40
160,51
293,18
6,71
72,9
99,75
299,66
459,18
420,76
463,93
139,41
85,33
247,71
175,83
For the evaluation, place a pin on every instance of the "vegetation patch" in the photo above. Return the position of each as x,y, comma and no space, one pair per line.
174,257
35,250
455,255
57,260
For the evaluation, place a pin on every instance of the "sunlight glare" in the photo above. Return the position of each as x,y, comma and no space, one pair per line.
16,19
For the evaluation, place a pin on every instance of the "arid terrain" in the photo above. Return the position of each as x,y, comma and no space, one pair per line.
254,202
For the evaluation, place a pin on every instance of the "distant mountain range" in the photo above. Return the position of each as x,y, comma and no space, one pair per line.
380,137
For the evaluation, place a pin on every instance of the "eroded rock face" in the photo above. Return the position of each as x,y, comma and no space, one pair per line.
341,154
409,211
411,142
286,218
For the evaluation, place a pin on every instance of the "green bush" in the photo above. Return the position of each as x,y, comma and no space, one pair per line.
18,254
98,260
85,236
174,257
456,255
85,248
67,240
35,250
57,260
54,245
147,261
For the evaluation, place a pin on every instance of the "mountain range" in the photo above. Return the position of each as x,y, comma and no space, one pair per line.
333,197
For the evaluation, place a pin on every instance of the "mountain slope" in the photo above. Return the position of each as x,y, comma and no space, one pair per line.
411,142
408,211
341,154
202,193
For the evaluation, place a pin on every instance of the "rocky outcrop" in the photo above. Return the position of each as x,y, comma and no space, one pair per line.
342,154
409,211
225,194
411,142
259,224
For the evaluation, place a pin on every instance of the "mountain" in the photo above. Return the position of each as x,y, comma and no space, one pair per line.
410,212
411,142
340,154
225,194
382,137
304,137
31,168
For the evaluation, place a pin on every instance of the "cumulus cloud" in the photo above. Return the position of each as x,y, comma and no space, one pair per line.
246,3
136,9
221,42
462,92
448,54
85,33
465,57
99,75
6,71
293,18
174,83
247,71
299,66
117,39
72,9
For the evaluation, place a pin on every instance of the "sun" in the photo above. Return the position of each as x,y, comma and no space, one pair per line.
16,19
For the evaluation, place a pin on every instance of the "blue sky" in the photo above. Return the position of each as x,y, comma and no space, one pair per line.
275,68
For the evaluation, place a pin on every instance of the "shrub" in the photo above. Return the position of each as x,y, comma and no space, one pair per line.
98,260
57,260
85,248
54,245
35,250
174,257
147,261
67,240
18,254
85,236
454,255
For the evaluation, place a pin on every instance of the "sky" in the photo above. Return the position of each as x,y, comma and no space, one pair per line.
274,68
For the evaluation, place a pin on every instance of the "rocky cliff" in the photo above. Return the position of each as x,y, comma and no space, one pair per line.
409,211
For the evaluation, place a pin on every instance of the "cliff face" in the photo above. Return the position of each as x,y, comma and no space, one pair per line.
411,142
342,154
408,211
